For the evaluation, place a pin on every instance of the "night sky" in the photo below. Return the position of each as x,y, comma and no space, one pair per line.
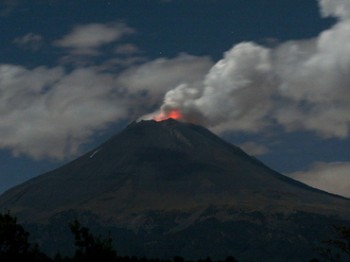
271,76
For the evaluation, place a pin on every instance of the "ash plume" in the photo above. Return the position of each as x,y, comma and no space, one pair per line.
300,85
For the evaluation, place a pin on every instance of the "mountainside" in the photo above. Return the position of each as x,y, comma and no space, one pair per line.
170,188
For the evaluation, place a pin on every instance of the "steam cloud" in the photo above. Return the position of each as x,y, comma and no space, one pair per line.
301,85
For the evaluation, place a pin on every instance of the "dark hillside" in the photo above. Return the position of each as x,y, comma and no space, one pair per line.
171,188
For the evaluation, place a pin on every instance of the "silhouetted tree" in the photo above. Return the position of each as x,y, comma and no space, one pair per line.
178,259
338,249
230,259
14,244
90,247
13,237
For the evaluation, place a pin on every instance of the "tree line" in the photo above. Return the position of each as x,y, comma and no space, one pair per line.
15,246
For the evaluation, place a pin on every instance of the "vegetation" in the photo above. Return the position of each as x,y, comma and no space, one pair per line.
14,246
338,248
89,247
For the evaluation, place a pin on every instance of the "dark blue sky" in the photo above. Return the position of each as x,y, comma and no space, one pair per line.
196,27
133,48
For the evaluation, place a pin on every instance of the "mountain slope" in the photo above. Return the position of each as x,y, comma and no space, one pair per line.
164,181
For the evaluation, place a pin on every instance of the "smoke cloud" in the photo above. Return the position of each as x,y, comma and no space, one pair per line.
300,85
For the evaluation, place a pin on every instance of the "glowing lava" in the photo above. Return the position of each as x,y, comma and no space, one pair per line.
174,114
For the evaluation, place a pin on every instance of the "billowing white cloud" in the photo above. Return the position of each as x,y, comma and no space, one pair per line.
313,80
331,177
151,80
241,80
51,112
336,8
234,95
30,40
86,39
300,85
229,92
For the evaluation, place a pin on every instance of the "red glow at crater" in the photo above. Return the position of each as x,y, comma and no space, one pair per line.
174,114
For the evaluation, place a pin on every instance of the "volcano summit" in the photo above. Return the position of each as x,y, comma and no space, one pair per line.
170,188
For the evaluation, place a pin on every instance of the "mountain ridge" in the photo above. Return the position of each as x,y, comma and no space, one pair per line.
158,180
173,143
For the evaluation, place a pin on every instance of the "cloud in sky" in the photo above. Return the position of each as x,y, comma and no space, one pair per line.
87,39
300,85
336,8
331,177
50,112
31,41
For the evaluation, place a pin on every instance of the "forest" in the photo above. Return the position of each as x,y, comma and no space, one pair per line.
15,246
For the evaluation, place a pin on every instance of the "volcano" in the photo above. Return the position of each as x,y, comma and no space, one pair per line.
166,188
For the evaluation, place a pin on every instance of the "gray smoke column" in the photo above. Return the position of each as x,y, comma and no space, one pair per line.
300,85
